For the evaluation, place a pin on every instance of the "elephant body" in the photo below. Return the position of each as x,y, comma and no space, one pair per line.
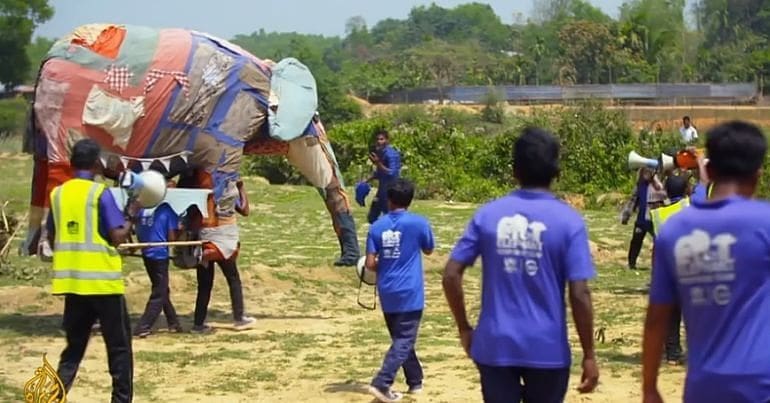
179,102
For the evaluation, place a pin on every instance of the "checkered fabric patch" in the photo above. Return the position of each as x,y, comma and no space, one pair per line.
117,77
156,74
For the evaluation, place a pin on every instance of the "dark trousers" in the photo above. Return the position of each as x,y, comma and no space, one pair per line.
160,296
673,341
80,313
641,229
403,328
378,207
504,384
205,276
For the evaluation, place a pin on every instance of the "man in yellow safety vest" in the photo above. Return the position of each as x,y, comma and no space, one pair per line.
84,226
678,192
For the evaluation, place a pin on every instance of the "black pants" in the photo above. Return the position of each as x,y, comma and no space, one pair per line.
673,341
504,384
160,296
641,229
378,207
80,313
205,276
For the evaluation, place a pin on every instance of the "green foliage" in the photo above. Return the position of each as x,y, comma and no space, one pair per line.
13,113
493,110
446,156
18,19
36,52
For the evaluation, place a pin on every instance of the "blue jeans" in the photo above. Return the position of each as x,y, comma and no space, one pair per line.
504,384
403,328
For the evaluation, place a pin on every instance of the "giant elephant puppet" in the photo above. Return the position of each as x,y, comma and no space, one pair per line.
179,101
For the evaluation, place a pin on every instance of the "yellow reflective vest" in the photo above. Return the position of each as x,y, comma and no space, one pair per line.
84,263
662,214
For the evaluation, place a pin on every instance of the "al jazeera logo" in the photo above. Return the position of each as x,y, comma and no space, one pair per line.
45,386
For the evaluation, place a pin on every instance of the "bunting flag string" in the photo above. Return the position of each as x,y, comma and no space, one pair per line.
145,162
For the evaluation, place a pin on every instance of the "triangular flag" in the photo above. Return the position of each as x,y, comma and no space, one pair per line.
124,161
103,160
166,164
146,165
184,157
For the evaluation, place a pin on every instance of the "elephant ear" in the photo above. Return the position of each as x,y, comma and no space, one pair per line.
293,91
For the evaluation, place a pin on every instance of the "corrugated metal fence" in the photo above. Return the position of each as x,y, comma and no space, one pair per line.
668,94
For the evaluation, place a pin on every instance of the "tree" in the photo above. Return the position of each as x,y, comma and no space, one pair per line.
353,24
655,29
18,20
588,49
442,64
36,52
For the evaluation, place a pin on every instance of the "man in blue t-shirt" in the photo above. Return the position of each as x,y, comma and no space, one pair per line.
711,260
646,183
157,226
531,246
387,162
393,250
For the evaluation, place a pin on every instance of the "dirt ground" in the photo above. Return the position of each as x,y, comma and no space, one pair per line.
324,353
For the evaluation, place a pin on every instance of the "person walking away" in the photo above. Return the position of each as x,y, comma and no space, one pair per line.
531,246
158,225
711,261
85,226
393,248
387,162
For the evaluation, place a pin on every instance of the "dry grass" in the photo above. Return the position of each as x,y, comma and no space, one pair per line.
312,342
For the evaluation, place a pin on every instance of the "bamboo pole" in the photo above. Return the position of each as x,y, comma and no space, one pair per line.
142,245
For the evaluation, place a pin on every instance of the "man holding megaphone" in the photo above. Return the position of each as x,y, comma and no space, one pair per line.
649,194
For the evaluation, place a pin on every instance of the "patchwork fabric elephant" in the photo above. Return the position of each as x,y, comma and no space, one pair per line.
179,102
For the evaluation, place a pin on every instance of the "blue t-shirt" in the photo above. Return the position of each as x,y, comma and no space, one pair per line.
154,228
699,193
713,259
398,239
530,244
391,158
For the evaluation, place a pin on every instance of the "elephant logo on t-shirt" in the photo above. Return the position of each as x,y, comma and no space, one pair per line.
391,244
519,237
705,264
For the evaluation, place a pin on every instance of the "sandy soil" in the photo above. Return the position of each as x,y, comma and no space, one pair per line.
334,347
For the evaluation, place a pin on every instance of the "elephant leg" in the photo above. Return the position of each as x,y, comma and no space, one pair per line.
344,224
314,158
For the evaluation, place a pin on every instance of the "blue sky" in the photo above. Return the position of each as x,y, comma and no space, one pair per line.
225,18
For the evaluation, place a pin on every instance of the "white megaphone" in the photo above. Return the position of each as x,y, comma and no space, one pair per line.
636,161
148,187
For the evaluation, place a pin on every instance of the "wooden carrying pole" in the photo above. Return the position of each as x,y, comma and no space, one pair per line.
142,245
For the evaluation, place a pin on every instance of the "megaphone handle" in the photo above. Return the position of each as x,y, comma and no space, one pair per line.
358,299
